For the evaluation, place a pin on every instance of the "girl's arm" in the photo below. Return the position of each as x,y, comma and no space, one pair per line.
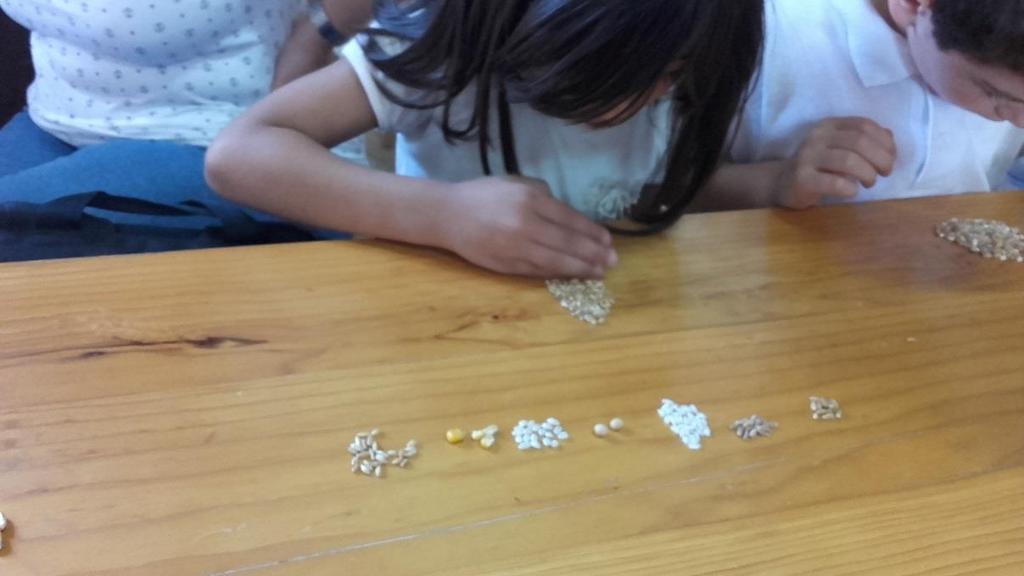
276,158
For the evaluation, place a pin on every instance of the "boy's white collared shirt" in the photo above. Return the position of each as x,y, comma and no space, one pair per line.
839,58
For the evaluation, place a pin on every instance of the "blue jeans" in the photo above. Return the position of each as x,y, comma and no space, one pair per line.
37,167
1016,177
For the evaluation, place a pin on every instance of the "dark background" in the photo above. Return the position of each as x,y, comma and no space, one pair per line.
15,67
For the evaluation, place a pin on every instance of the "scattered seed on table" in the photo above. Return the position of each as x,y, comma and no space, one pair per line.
825,408
486,436
616,424
369,459
600,430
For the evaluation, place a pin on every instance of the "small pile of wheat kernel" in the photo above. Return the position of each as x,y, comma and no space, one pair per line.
531,435
586,300
485,436
686,421
753,427
369,459
825,409
989,238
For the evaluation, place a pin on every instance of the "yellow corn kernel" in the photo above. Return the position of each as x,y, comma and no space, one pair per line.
455,435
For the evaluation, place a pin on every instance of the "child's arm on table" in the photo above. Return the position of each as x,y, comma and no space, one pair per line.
838,154
276,158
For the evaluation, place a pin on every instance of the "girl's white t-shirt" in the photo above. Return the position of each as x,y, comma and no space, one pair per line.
599,172
177,70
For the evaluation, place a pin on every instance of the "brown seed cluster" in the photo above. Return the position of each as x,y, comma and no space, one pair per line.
753,427
989,238
586,300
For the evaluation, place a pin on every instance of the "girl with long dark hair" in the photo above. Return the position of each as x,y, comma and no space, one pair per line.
523,126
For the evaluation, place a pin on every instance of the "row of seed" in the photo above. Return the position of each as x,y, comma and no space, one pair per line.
687,421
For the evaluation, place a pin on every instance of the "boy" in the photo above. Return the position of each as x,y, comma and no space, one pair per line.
877,99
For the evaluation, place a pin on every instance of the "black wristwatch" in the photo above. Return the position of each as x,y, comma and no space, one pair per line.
318,16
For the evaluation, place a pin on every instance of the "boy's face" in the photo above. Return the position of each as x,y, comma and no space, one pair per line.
992,92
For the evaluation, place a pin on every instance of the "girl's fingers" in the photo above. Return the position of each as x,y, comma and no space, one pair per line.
543,262
558,213
571,242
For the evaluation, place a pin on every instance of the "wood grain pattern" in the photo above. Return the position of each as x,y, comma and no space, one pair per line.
188,413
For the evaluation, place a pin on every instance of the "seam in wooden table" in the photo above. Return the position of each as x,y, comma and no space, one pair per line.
488,522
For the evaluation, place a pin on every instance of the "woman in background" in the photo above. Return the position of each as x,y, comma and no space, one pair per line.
128,95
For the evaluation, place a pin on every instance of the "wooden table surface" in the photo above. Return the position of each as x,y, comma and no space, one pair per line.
189,413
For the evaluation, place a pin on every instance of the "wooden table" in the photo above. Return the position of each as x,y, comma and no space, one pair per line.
189,413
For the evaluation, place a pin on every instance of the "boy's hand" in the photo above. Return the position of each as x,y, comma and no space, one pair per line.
304,52
839,154
514,226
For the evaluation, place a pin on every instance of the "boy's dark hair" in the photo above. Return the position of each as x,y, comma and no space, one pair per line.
988,31
578,60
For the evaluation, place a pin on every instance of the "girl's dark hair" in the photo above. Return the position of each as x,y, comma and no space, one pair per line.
579,60
989,31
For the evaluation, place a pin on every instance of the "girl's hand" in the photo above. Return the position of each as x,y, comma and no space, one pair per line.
839,154
514,226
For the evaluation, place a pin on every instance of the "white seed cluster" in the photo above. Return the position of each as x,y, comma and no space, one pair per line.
825,409
989,238
369,459
586,300
753,427
686,421
530,435
486,436
3,526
